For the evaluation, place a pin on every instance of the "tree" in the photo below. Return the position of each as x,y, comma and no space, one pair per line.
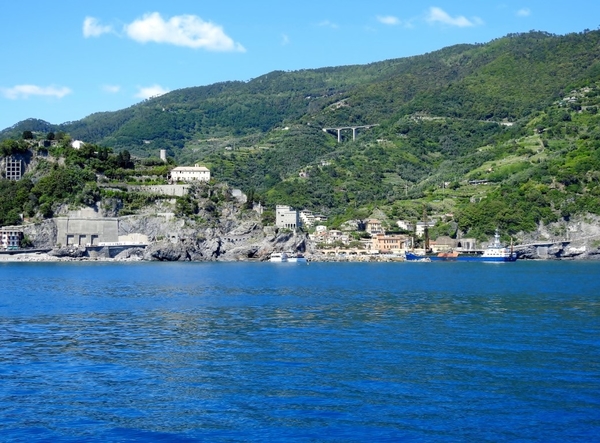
26,242
268,217
186,206
50,136
27,135
250,199
124,160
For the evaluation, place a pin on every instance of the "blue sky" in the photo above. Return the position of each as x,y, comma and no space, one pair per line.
65,59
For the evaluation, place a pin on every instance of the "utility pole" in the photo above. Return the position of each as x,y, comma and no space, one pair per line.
425,229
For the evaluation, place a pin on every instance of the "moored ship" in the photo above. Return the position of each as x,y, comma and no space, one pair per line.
496,252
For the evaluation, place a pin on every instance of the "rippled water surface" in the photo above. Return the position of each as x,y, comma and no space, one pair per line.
288,352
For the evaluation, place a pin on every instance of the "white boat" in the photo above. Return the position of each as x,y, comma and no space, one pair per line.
496,252
278,257
296,258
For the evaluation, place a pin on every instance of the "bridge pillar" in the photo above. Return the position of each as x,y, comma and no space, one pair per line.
339,135
542,251
353,134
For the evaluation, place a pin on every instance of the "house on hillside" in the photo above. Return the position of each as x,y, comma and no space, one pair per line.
421,226
374,227
190,173
308,218
10,237
320,234
405,225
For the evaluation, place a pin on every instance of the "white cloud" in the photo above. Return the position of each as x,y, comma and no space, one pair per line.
328,24
150,91
438,15
113,89
25,91
181,30
525,12
388,20
93,28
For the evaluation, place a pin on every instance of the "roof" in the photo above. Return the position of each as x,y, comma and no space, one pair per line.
191,169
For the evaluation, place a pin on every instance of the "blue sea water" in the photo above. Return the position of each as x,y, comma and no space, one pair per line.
344,352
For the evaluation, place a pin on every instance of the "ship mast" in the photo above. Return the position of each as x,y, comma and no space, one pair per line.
425,230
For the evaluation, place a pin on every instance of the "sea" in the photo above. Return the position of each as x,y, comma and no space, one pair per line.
278,352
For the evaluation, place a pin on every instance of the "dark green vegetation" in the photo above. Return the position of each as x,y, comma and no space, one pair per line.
62,175
518,114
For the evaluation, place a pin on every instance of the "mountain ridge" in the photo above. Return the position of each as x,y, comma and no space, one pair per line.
262,103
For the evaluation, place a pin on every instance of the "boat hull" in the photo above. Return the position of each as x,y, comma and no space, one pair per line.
412,257
494,253
462,258
277,257
296,260
476,258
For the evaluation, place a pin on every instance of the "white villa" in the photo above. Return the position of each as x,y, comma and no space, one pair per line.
420,227
406,225
309,218
190,173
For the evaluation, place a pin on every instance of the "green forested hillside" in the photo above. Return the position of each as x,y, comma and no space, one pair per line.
518,114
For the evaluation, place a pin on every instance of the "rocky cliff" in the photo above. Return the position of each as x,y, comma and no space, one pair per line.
221,228
574,239
218,228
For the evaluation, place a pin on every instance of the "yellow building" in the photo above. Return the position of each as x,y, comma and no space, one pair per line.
388,244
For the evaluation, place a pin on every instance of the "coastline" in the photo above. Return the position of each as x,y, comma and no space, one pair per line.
44,257
24,257
33,257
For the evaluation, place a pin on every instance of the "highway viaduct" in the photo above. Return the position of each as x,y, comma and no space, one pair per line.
342,128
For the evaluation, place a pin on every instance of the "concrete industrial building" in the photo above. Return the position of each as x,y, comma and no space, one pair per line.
86,227
74,231
14,169
286,217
